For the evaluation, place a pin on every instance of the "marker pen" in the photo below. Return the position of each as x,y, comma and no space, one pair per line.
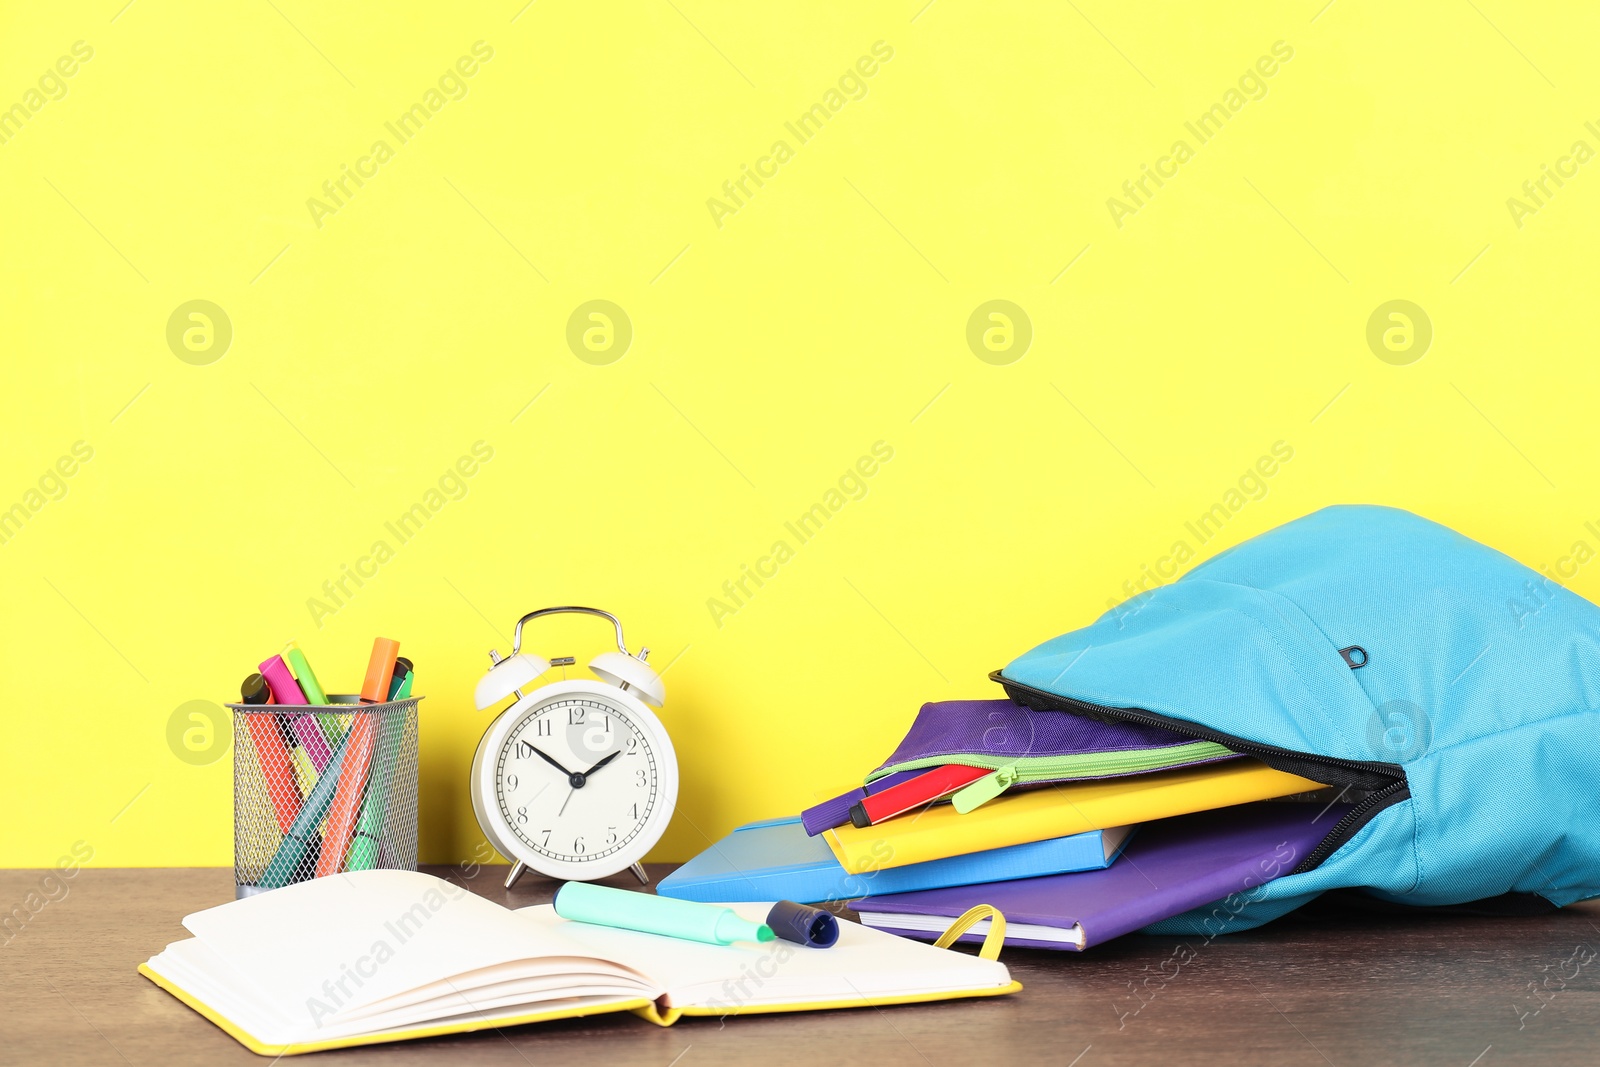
380,671
304,772
924,789
686,919
400,685
291,863
271,754
304,675
312,688
285,690
366,846
345,806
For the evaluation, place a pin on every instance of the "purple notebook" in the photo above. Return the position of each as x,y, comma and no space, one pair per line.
1172,866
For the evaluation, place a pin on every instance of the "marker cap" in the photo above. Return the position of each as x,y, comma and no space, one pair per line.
254,690
400,683
285,690
380,671
301,668
803,925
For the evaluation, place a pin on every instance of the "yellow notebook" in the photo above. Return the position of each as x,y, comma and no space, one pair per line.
375,956
1056,811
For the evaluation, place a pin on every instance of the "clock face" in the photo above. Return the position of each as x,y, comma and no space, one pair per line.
582,778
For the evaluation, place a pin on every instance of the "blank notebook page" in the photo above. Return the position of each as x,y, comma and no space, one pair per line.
379,934
201,973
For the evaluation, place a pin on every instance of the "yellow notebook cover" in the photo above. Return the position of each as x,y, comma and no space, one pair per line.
649,1010
1056,811
643,1006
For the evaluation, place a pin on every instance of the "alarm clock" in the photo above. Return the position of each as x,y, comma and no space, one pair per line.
576,779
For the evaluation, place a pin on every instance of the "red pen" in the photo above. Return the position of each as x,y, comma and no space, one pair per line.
936,784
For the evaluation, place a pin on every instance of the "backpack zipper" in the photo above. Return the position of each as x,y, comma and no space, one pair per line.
1023,770
1354,819
1072,765
1386,782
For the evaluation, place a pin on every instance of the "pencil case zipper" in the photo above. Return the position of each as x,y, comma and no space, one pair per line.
1021,770
1385,783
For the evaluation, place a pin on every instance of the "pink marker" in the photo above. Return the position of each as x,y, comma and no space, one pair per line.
285,690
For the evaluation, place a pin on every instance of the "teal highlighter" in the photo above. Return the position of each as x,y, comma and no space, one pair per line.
363,853
299,839
685,919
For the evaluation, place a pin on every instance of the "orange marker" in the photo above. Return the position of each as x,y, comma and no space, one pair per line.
357,760
347,797
380,671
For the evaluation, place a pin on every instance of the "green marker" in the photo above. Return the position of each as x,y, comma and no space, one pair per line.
301,668
363,853
649,914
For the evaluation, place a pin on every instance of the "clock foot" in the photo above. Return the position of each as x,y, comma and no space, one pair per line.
516,872
638,872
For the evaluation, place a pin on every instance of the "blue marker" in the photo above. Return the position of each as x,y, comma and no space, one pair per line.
302,836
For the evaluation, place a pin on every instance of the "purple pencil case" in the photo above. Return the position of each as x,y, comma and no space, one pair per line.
1023,747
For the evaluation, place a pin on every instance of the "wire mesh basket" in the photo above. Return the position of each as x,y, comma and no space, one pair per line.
322,788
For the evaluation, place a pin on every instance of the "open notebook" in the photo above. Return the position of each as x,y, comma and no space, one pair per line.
385,955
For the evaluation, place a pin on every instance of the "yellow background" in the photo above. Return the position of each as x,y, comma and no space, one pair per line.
769,353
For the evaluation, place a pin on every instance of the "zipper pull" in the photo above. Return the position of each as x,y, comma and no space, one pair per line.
985,789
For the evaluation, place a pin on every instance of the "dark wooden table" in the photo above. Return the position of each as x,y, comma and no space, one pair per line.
1332,985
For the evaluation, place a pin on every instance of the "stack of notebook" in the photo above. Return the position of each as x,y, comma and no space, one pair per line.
1078,830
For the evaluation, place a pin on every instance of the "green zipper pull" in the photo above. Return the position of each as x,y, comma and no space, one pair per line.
985,789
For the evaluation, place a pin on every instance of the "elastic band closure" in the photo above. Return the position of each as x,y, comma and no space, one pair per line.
992,941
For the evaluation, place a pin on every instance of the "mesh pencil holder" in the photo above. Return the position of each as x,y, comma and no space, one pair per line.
322,788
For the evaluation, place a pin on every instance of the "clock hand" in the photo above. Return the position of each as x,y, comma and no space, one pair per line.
575,778
578,779
602,763
553,763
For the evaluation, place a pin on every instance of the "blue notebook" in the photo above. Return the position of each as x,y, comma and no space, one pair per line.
777,860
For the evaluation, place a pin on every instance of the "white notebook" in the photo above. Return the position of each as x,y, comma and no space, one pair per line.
388,955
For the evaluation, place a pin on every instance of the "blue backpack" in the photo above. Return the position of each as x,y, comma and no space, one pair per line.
1447,691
